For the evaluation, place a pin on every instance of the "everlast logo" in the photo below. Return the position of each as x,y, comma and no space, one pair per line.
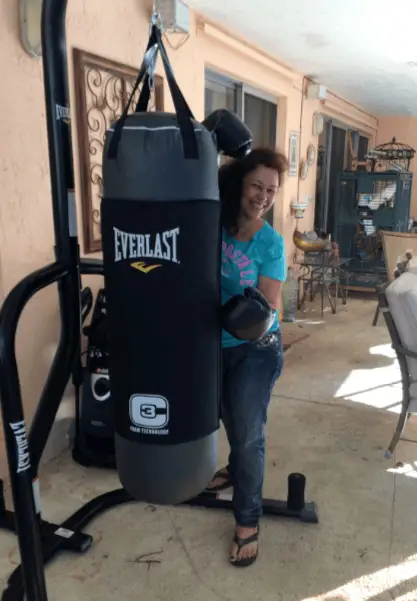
23,457
162,245
62,112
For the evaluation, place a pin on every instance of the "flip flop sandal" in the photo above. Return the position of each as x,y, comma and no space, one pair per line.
241,543
221,474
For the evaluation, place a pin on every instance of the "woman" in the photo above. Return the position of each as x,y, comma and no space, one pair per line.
253,254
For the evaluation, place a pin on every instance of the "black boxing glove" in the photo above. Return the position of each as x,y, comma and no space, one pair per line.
248,316
233,137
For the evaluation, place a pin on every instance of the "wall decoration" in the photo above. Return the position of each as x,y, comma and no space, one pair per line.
303,170
102,89
30,12
311,154
298,208
318,124
293,154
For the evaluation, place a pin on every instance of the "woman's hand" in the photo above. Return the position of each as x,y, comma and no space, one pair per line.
272,291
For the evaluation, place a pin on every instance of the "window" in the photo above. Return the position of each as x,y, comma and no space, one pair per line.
219,94
261,117
256,109
362,148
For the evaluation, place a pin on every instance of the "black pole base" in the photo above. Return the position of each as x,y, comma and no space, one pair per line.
69,536
271,507
54,538
50,533
294,507
53,534
66,537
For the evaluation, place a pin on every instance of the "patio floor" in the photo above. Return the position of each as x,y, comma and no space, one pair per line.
333,413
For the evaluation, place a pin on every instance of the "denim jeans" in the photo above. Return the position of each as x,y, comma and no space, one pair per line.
250,371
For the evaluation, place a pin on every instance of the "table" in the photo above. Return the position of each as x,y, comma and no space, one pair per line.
320,272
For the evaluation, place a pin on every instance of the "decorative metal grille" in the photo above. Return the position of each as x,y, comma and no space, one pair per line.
102,89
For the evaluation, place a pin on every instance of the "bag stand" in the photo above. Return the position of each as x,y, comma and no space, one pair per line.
39,540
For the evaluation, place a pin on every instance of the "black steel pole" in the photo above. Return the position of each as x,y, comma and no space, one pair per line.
58,119
55,70
14,426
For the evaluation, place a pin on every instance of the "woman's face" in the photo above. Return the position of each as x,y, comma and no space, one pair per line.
259,190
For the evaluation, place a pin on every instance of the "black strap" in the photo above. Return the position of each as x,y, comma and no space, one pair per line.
117,134
184,115
142,104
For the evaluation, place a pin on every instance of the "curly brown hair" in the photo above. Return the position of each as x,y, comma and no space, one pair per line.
232,174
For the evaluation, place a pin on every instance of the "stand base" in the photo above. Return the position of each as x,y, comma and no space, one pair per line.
69,536
52,534
271,507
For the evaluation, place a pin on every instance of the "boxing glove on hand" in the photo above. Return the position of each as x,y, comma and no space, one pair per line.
247,316
233,137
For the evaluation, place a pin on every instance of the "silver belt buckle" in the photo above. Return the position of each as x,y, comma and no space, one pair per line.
268,339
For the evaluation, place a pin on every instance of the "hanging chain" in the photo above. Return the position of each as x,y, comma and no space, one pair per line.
156,20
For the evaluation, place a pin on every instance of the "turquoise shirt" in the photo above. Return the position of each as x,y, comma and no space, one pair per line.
244,262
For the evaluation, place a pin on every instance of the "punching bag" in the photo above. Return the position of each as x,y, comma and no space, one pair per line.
160,220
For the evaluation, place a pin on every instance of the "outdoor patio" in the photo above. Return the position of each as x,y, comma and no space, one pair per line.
332,415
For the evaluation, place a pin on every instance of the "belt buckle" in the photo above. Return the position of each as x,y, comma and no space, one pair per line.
268,339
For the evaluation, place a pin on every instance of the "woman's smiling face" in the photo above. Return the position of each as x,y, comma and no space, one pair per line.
259,190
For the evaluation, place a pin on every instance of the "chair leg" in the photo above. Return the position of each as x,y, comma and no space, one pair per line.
345,288
402,420
376,316
301,296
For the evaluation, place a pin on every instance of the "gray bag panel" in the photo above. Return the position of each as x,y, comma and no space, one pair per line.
168,474
150,161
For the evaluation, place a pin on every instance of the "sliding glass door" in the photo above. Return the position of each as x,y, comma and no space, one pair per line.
334,156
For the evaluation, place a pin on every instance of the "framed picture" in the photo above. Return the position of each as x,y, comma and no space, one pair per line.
293,153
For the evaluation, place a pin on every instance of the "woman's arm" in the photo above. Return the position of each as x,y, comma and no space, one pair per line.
273,273
272,291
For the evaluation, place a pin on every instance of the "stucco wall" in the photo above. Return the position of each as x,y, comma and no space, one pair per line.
120,33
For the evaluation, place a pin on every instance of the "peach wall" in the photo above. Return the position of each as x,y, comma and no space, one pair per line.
118,33
404,129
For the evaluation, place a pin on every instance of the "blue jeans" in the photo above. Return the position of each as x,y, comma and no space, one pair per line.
250,371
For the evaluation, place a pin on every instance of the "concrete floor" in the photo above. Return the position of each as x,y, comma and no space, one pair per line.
332,414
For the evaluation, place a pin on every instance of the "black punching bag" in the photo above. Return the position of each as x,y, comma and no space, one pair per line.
160,219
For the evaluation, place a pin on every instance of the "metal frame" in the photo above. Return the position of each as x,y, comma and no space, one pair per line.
402,354
39,541
247,89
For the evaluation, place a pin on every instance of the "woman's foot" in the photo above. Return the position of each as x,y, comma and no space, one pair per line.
221,481
245,546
